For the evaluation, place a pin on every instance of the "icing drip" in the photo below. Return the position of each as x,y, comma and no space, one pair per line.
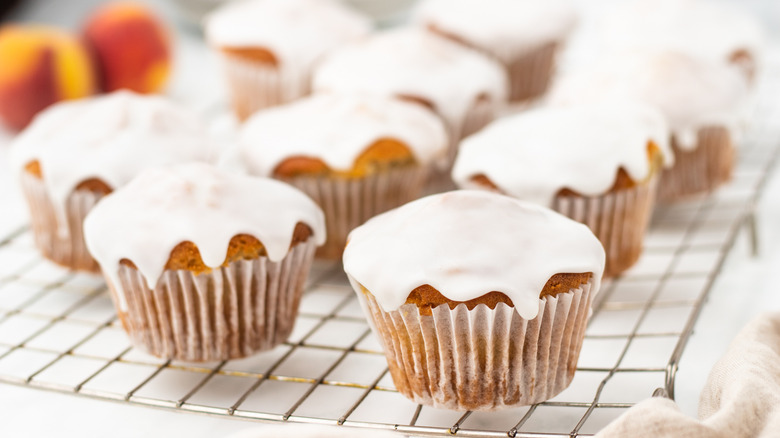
162,207
504,28
691,92
468,243
535,154
111,138
337,129
701,27
413,62
298,32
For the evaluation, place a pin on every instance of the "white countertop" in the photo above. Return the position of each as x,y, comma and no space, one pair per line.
741,292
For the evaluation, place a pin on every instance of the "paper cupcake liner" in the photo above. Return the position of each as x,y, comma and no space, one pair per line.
349,202
255,85
530,74
701,170
228,313
619,219
61,243
482,359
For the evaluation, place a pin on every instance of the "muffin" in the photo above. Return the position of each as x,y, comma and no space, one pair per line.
268,48
465,88
76,152
479,300
598,164
355,155
719,31
205,264
523,35
702,102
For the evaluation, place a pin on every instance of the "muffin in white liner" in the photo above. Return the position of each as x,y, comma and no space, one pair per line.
465,88
355,155
702,101
523,35
479,300
598,164
204,264
268,48
721,31
76,152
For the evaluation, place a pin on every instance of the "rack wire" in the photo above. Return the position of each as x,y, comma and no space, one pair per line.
58,332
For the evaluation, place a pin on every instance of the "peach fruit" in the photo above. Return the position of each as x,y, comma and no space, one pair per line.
40,65
131,47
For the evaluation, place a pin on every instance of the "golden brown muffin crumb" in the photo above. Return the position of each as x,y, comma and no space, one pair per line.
186,256
94,185
382,154
254,54
426,297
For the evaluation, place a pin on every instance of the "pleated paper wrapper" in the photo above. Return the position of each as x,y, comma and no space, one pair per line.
530,73
60,243
618,218
349,202
256,85
482,359
231,312
700,171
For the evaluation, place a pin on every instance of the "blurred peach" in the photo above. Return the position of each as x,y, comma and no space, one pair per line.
40,65
131,47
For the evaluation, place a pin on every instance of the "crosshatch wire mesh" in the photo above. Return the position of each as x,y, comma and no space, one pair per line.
58,331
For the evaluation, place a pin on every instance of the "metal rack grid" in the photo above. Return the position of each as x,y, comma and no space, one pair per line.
58,332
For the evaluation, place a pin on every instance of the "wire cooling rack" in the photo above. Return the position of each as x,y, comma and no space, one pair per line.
58,332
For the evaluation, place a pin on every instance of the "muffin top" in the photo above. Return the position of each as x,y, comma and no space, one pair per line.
692,92
466,244
337,129
535,154
109,138
417,64
199,203
712,29
297,32
504,28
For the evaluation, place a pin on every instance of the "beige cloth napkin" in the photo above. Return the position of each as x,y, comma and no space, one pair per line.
740,399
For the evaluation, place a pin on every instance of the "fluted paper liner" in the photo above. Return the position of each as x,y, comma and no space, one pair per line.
256,85
482,359
700,171
60,243
349,202
228,313
618,218
530,73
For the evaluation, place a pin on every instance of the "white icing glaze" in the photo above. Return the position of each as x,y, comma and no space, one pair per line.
535,154
692,92
111,138
297,32
413,62
702,27
506,29
337,129
196,202
467,243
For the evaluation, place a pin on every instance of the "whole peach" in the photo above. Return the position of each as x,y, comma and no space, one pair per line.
131,47
40,65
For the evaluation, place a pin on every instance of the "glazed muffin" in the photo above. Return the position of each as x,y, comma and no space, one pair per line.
268,48
718,31
205,264
700,99
479,300
598,164
355,155
523,35
465,88
76,152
